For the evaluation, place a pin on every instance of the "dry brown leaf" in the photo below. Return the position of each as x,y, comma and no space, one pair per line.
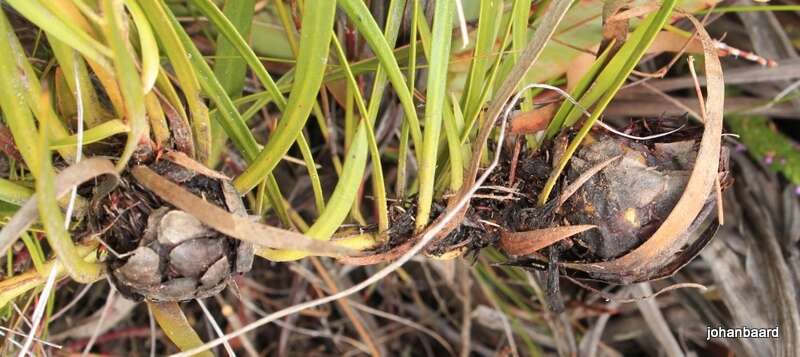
667,41
533,121
579,67
179,127
231,224
634,12
615,27
184,160
525,243
7,145
338,90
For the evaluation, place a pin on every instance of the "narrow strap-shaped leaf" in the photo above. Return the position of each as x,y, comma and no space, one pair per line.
371,32
158,120
378,187
488,26
15,109
557,123
232,121
53,221
13,192
230,69
66,58
311,63
68,32
453,145
93,135
234,22
149,47
608,82
238,43
176,50
435,99
129,82
37,99
340,201
177,328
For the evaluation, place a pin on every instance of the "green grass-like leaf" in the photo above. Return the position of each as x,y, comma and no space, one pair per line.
240,46
129,82
177,328
149,47
66,31
13,192
358,13
434,106
12,99
229,67
186,74
314,44
93,135
53,221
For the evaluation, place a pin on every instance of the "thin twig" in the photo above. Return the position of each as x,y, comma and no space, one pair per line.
50,344
72,303
404,321
215,326
103,315
344,304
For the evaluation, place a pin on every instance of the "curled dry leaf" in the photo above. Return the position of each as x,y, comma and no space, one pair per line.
242,228
672,42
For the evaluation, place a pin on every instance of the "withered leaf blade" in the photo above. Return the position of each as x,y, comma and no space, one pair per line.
231,224
525,243
187,162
